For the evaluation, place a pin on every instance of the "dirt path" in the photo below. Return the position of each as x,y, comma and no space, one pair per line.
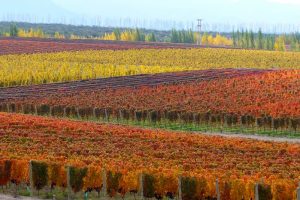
236,135
223,134
254,137
8,197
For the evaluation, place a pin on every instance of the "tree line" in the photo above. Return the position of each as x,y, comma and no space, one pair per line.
259,40
247,39
129,35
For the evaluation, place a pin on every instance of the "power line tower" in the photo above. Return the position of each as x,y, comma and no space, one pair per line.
199,31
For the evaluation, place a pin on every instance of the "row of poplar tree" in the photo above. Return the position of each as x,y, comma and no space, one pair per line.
240,38
249,39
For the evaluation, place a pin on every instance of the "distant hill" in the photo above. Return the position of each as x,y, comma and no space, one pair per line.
85,31
43,9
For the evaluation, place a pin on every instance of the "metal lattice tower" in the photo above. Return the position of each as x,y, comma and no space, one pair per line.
199,31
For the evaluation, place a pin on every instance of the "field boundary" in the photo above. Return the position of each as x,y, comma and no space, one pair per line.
208,133
225,134
139,80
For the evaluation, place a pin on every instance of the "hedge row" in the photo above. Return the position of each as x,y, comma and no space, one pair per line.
42,174
207,118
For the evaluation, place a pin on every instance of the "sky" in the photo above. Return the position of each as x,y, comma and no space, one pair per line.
150,13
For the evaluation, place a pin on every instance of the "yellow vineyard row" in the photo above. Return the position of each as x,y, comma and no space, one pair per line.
68,66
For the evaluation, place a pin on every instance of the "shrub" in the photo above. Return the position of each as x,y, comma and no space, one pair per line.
39,174
264,192
76,178
113,180
148,186
188,188
5,171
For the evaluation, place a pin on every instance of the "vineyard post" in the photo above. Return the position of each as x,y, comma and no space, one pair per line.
256,124
141,189
51,109
205,123
164,118
149,117
218,190
222,124
35,110
106,115
94,113
31,185
77,113
298,192
225,121
135,116
256,192
241,124
121,115
179,188
210,123
65,112
179,119
104,183
194,120
69,187
22,108
7,107
290,127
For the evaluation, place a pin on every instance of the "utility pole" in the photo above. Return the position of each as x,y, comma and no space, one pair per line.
199,30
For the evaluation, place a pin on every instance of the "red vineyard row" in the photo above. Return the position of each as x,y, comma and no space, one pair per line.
269,100
42,175
35,45
45,90
165,156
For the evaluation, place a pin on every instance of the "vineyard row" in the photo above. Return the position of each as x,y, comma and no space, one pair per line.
222,120
124,81
43,68
259,100
35,45
110,183
132,151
